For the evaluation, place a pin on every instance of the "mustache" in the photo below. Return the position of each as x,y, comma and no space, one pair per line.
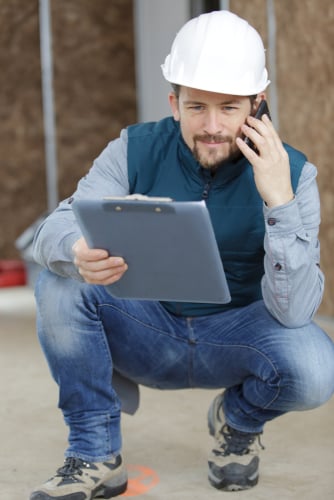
213,138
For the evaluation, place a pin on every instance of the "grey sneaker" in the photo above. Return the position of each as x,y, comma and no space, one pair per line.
80,480
234,461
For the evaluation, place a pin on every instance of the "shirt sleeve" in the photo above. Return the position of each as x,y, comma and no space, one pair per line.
53,241
293,283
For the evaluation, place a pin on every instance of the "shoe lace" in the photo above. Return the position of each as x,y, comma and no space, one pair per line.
237,442
71,468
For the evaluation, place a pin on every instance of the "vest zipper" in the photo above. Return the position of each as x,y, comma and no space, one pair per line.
207,178
205,193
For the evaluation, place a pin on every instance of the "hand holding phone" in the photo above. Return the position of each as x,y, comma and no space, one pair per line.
261,110
271,166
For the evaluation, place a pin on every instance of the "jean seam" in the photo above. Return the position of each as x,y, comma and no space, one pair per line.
263,355
146,325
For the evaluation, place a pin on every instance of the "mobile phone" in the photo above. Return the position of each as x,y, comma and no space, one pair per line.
263,109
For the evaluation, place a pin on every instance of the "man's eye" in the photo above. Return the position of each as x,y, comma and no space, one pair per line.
197,107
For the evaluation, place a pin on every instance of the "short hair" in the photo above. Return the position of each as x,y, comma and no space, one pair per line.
176,89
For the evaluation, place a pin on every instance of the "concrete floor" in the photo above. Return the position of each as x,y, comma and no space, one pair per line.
166,442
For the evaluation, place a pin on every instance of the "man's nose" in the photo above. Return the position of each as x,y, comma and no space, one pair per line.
213,123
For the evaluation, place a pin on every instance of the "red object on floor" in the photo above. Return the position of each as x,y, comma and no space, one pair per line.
12,273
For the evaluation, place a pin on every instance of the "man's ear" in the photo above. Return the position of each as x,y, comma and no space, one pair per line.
174,105
260,97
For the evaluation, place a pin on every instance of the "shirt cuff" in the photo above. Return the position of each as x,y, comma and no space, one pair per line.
284,221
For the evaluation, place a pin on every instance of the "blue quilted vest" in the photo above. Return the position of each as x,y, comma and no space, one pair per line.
161,164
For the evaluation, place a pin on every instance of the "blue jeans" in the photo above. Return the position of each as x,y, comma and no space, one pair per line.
266,369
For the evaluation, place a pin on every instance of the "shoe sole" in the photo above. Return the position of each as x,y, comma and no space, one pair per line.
234,477
103,491
106,491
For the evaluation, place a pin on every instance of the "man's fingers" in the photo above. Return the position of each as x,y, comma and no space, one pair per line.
83,252
95,265
110,264
103,277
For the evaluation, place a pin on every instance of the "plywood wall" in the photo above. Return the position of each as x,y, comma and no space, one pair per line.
95,96
21,137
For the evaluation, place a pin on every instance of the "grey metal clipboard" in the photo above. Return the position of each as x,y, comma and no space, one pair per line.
169,246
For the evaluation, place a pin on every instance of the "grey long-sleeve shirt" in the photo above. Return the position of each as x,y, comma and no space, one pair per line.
293,283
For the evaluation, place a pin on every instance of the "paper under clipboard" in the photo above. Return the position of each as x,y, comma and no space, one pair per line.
169,246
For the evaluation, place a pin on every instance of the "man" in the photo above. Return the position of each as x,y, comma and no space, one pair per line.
262,347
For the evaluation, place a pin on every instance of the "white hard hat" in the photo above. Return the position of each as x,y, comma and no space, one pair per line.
218,52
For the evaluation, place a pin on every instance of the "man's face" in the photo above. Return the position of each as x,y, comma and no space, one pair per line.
210,123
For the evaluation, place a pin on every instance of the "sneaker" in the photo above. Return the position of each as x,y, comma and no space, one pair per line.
234,462
80,480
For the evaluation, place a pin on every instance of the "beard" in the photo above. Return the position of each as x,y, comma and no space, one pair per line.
212,159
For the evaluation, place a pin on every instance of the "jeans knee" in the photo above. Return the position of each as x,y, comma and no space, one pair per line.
312,386
319,388
50,290
57,301
57,297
